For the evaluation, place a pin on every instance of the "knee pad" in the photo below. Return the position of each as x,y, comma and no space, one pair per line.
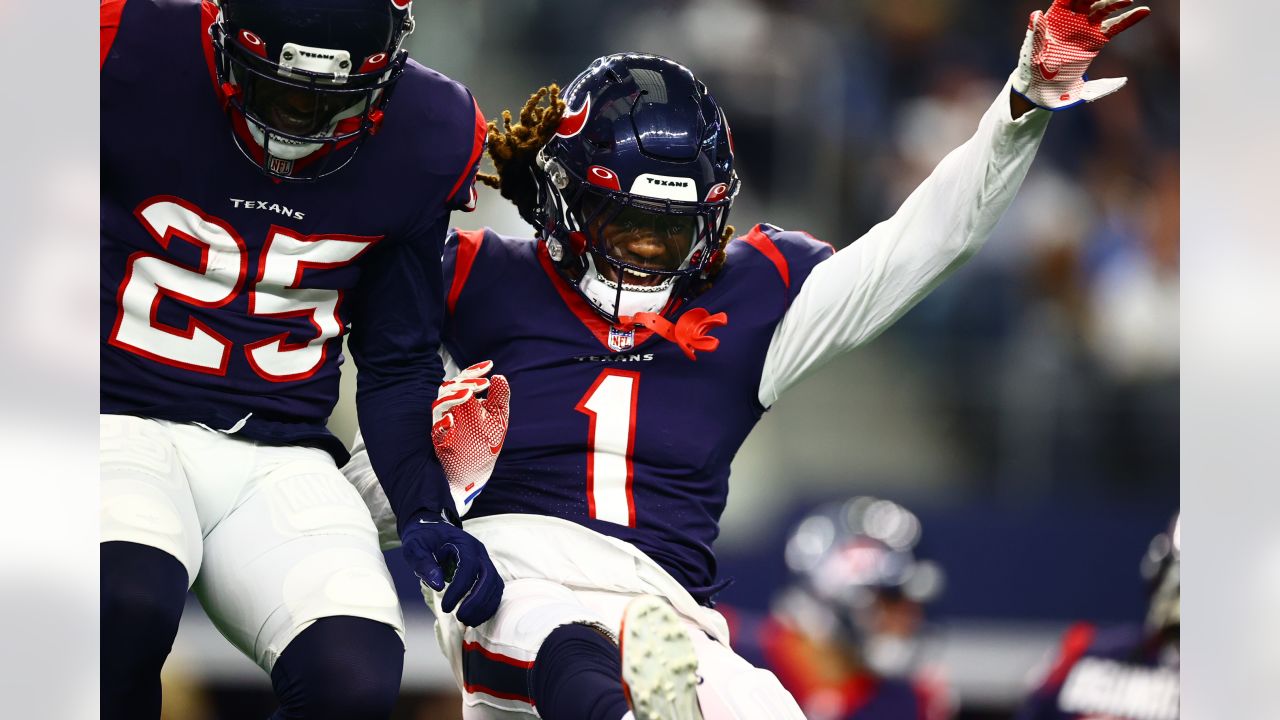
340,668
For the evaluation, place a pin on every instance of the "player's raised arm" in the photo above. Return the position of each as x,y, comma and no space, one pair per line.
853,296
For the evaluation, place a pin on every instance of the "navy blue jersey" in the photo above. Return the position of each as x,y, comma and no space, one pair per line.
619,429
1114,673
225,294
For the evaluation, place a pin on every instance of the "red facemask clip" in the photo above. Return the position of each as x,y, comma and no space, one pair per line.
375,117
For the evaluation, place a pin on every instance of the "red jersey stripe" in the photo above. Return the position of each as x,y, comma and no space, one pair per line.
473,689
758,240
496,657
1075,642
468,247
482,129
109,12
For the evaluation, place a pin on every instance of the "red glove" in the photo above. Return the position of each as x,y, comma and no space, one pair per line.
1059,46
468,430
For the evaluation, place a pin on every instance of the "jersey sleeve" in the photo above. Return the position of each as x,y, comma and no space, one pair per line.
463,195
400,310
395,339
852,297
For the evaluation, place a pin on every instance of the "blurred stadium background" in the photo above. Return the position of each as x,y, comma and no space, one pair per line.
1027,411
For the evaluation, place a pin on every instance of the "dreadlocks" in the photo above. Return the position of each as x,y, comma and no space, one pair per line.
513,149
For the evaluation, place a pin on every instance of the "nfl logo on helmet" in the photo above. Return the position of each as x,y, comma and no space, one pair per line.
620,340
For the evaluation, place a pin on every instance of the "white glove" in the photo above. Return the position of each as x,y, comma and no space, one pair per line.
1059,46
468,430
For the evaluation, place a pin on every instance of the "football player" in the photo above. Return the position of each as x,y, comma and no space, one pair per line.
1125,672
260,197
642,346
845,635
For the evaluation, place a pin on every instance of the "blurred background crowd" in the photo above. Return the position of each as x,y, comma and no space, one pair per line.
1026,412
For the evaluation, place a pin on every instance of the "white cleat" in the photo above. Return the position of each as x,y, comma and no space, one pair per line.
659,667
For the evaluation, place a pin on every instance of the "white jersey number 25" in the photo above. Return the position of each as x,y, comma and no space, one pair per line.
218,279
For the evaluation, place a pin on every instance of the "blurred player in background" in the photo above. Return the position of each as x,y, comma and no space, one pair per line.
845,637
643,346
1127,672
249,218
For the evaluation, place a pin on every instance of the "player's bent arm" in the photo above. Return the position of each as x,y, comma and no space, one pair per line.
394,340
851,297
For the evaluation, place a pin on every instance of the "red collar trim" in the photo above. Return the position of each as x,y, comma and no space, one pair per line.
578,305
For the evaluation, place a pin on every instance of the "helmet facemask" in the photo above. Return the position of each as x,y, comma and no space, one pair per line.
625,252
297,109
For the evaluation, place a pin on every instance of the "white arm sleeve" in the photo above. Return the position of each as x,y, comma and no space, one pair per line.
852,296
359,473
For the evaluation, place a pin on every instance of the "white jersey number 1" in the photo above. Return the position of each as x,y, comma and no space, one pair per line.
610,403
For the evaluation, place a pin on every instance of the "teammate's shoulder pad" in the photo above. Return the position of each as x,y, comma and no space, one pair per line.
447,100
441,111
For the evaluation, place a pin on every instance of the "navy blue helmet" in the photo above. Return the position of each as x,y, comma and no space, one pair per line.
306,81
851,562
847,552
641,142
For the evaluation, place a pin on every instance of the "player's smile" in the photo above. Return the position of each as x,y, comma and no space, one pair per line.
645,251
645,240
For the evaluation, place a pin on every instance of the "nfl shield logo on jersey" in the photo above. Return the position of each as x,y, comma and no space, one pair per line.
620,340
281,166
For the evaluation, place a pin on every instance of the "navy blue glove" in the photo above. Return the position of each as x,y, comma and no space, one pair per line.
441,554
